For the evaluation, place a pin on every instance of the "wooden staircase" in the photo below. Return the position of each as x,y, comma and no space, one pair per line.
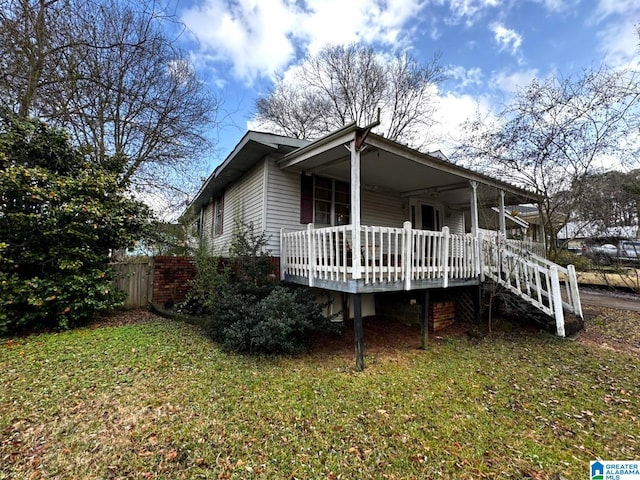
550,288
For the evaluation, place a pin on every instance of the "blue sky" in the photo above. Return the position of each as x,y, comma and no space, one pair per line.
490,48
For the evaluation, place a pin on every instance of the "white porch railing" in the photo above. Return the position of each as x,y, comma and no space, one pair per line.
403,258
388,255
533,278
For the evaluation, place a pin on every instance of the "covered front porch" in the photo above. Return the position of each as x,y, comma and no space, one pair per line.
383,217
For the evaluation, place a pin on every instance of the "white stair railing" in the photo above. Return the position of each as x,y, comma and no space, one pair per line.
533,278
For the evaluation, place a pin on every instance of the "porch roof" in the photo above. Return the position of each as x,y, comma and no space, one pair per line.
390,167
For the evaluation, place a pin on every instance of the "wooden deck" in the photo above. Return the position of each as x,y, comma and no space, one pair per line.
387,259
381,259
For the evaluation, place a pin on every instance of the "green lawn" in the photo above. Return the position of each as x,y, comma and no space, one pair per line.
159,400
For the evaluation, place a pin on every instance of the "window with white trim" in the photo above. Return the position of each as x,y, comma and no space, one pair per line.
332,202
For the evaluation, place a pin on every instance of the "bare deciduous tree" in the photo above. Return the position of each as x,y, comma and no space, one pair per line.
554,133
344,84
107,71
609,200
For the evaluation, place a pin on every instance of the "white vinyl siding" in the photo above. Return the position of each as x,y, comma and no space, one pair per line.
206,227
242,202
283,204
382,210
455,222
218,217
246,198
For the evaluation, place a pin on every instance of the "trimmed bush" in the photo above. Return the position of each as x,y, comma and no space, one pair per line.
564,258
281,322
212,278
247,309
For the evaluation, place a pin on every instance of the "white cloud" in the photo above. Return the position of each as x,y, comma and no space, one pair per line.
453,111
506,38
250,35
512,82
260,37
618,36
606,8
465,77
558,5
468,11
619,44
358,20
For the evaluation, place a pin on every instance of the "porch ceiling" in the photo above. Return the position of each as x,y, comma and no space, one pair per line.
391,168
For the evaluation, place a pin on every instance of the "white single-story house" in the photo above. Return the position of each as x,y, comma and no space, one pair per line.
359,215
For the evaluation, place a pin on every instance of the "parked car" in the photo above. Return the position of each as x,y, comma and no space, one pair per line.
625,251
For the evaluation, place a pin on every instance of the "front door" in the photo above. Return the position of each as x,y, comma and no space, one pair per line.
425,217
429,217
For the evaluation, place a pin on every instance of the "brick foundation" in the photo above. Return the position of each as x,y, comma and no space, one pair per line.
171,276
441,315
446,306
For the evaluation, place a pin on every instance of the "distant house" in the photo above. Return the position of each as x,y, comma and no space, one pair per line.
576,234
358,215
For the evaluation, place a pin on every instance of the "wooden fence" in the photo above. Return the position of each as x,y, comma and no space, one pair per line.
158,280
136,280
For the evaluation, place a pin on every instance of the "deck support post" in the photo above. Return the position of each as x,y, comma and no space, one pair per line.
475,229
283,255
356,252
345,307
477,301
407,255
445,257
481,257
424,320
474,208
357,327
312,253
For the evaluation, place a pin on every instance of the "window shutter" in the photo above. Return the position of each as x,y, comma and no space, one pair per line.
218,215
306,199
221,215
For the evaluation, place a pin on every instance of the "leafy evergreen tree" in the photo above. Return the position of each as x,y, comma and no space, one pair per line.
60,217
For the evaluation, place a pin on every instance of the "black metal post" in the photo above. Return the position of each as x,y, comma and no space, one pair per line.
477,300
357,324
424,324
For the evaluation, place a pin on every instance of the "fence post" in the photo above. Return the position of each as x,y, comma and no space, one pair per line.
407,255
150,279
556,296
445,257
575,293
312,253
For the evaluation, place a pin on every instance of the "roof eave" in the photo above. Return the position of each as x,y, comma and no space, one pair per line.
272,142
342,136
